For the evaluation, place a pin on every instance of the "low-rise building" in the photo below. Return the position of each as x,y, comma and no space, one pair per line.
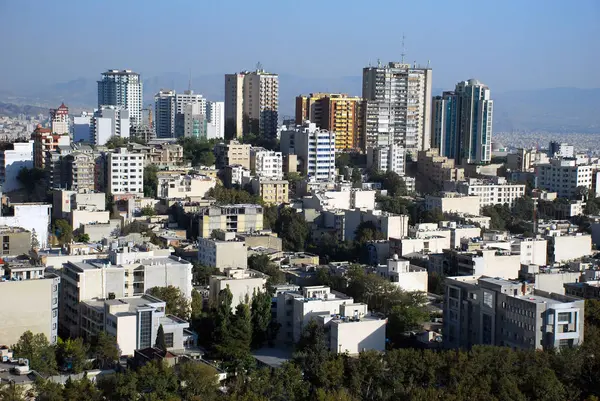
79,217
134,322
549,279
387,158
493,191
14,241
236,218
389,224
564,175
231,153
182,186
235,175
438,168
38,312
563,248
11,163
453,202
404,275
349,327
424,245
272,192
586,290
493,311
225,251
493,262
242,283
340,200
267,164
33,217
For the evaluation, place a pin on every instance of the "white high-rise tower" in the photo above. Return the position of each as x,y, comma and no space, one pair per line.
122,88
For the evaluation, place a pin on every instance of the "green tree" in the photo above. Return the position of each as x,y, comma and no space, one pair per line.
264,264
407,313
198,381
261,318
367,231
342,160
202,273
47,390
116,142
177,303
226,196
235,347
161,342
11,392
72,354
148,211
82,238
119,387
293,230
81,390
39,352
106,350
269,216
196,305
158,379
33,180
198,151
63,231
391,181
150,181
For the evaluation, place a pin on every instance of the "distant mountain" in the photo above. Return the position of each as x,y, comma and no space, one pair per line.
552,109
13,110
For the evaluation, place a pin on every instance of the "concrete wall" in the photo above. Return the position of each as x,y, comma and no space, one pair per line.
571,247
27,305
82,217
240,289
33,216
432,244
413,281
126,333
554,282
506,267
98,232
354,337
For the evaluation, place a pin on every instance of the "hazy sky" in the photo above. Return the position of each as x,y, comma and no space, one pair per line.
508,44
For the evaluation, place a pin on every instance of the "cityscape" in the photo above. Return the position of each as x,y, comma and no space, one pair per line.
393,236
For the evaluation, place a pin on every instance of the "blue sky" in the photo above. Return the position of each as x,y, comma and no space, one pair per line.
506,44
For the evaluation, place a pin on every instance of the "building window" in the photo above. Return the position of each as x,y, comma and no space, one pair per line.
169,340
564,317
145,329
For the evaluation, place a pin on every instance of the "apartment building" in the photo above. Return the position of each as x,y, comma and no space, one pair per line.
123,88
181,186
402,274
462,123
455,232
215,120
454,203
134,323
59,120
236,176
494,191
266,164
66,201
110,121
237,218
231,153
125,173
556,149
225,251
272,192
14,241
398,106
80,171
349,327
525,159
423,245
30,301
389,224
251,103
340,200
566,247
81,130
242,283
43,141
387,158
16,156
493,311
438,168
335,112
127,273
493,262
315,149
565,175
33,217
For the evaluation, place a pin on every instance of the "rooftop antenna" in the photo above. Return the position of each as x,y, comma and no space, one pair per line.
258,66
190,81
403,49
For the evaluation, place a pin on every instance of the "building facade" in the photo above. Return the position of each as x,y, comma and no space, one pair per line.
398,106
229,218
164,113
232,153
122,88
335,112
59,120
492,311
125,173
11,163
564,175
224,251
110,121
387,158
462,123
266,164
315,149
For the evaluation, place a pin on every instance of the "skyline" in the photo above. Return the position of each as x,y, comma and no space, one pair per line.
207,39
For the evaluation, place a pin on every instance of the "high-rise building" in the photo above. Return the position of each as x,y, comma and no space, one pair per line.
122,88
215,120
182,100
59,120
315,149
164,113
234,105
110,121
333,112
387,158
80,171
251,103
462,123
44,140
398,106
193,121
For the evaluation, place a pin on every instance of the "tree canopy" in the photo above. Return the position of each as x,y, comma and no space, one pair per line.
177,304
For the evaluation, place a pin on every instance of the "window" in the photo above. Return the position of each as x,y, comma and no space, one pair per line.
169,340
488,299
564,317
